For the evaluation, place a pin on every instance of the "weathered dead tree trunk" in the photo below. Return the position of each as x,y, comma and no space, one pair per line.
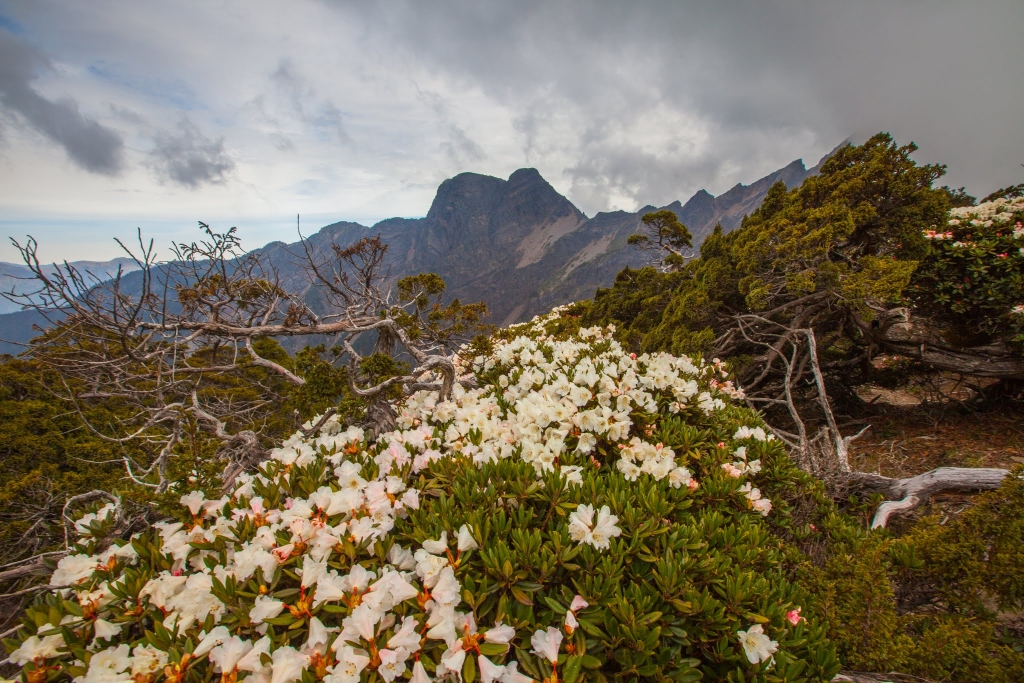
906,494
847,676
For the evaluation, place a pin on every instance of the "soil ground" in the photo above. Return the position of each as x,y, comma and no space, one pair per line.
907,440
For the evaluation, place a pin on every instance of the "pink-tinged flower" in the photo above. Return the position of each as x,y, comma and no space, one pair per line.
793,616
392,664
501,634
570,622
732,470
489,671
546,643
284,552
419,674
452,659
363,620
578,603
692,484
351,664
512,674
406,637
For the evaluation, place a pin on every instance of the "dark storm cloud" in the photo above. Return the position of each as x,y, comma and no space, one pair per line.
88,144
187,157
761,76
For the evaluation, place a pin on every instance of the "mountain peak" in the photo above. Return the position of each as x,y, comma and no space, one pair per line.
526,175
700,198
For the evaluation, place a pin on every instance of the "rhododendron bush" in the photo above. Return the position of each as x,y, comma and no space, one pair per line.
573,512
974,271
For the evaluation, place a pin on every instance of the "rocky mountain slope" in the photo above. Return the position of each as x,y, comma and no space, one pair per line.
516,244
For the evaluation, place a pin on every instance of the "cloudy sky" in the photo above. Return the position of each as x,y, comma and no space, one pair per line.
117,115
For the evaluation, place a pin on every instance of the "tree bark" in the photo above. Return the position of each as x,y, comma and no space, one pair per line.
923,339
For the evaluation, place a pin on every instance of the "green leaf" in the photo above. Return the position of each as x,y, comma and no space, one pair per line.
554,604
593,630
522,596
469,669
571,672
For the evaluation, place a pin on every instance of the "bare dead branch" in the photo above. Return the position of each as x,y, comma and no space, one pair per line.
154,340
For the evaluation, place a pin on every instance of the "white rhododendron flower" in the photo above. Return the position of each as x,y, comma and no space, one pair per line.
546,643
34,648
756,645
226,656
288,664
73,569
465,540
83,522
147,660
193,501
756,433
584,528
324,555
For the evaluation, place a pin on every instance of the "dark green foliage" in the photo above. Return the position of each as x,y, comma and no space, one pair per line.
1006,193
688,571
851,235
47,455
664,236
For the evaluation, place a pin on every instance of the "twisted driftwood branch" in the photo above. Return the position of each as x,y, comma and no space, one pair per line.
908,493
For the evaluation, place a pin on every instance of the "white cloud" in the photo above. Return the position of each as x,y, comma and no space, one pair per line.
248,114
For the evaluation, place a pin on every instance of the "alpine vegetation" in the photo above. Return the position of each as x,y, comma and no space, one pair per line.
572,512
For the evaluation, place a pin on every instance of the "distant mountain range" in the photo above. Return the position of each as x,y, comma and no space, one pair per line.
17,278
516,244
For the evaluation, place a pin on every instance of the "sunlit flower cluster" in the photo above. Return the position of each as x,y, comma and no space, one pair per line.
229,585
986,214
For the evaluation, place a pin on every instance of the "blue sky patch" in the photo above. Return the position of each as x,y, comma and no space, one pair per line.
175,94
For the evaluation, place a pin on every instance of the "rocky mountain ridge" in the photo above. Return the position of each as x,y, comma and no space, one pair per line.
516,244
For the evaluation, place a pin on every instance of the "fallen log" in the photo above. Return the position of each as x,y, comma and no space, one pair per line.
908,493
846,676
